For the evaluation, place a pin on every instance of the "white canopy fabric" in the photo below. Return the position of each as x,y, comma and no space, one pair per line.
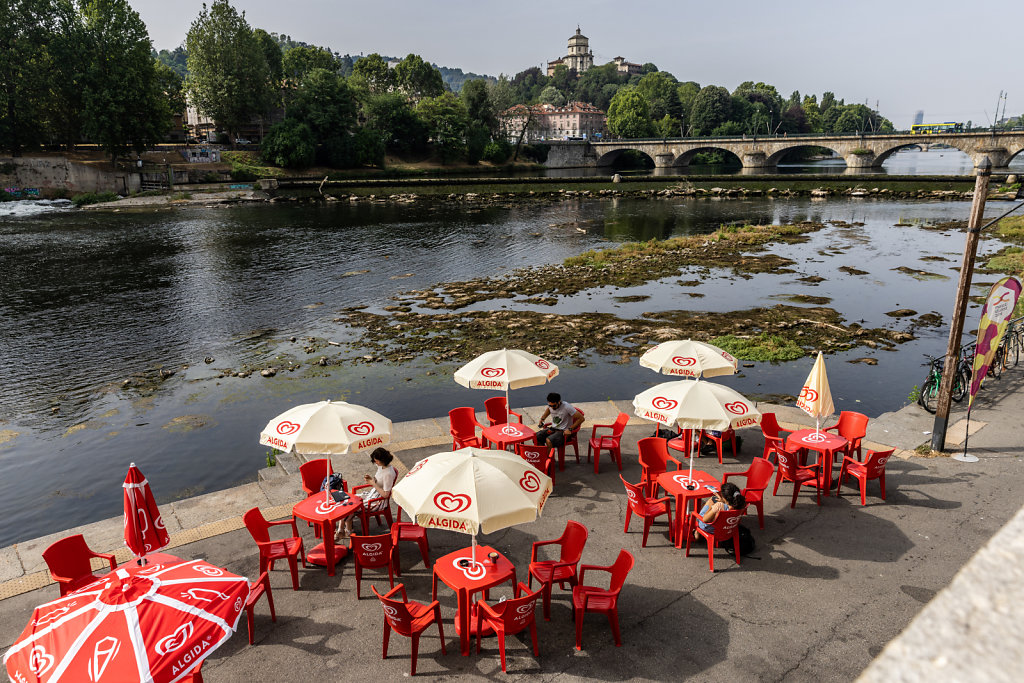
327,427
473,490
696,405
505,369
688,358
815,396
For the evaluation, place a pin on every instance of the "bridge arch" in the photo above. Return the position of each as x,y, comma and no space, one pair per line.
777,157
613,157
686,157
881,156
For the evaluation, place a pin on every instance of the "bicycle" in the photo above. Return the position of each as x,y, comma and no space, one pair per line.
1013,340
929,396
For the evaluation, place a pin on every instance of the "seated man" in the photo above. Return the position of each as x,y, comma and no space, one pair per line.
564,418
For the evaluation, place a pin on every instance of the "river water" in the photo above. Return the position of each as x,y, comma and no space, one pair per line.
88,298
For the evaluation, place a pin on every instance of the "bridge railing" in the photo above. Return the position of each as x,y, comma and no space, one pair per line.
786,136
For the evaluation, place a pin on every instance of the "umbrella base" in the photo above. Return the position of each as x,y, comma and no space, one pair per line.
486,631
318,555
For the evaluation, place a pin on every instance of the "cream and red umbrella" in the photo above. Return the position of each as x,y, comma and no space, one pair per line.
815,396
328,428
696,405
157,624
506,369
688,358
473,490
144,530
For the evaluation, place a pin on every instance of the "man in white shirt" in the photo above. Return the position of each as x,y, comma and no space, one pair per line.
564,419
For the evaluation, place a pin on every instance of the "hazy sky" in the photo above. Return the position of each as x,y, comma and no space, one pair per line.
903,55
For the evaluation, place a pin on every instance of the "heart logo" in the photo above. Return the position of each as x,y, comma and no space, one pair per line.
815,438
54,615
174,641
361,428
452,502
39,660
542,364
492,372
372,547
390,611
287,428
736,407
662,403
238,604
474,571
325,506
526,609
881,462
530,482
683,361
808,394
208,570
730,524
509,430
632,495
417,467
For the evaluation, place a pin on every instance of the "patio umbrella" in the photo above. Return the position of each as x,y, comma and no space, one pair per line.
157,624
696,405
688,358
144,530
472,490
506,369
815,397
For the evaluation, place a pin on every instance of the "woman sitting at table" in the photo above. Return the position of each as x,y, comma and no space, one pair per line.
728,498
378,496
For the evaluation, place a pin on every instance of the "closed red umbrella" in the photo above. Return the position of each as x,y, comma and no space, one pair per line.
155,625
144,530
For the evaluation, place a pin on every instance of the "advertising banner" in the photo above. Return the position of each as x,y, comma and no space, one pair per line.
994,317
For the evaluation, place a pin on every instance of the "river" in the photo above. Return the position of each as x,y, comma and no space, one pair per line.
87,299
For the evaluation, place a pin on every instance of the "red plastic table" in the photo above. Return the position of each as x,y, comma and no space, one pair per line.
466,581
825,443
132,566
508,434
673,483
321,510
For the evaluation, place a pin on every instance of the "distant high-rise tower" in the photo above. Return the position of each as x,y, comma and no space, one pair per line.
919,117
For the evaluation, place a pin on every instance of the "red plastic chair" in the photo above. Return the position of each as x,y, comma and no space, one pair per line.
539,457
378,508
654,459
648,508
412,532
611,443
728,434
373,552
773,435
69,563
258,589
853,427
313,474
593,599
408,618
463,425
872,468
790,469
571,440
758,475
563,570
726,526
508,618
289,549
498,413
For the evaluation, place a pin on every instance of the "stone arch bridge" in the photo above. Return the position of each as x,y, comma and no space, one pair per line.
859,151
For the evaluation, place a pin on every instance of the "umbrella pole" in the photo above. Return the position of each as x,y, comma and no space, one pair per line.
508,408
141,559
327,489
472,551
694,445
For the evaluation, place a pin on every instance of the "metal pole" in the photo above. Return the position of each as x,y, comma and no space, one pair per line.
960,307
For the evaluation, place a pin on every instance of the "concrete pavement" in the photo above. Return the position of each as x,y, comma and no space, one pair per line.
826,589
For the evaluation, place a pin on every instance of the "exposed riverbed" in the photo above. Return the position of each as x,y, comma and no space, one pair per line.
107,321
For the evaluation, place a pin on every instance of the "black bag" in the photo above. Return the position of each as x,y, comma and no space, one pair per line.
336,482
667,434
746,541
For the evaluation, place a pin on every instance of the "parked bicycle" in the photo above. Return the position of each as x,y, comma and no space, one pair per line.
929,396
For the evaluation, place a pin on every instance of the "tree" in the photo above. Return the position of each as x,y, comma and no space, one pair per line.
711,107
475,96
399,127
68,55
668,127
176,59
551,95
25,26
501,94
648,68
325,103
593,85
125,107
374,73
228,78
289,144
528,83
446,118
563,78
172,86
848,122
828,100
272,55
417,79
299,61
660,89
686,92
629,116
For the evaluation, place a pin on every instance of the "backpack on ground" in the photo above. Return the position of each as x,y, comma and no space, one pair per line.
746,541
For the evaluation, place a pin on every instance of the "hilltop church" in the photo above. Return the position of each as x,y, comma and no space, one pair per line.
581,58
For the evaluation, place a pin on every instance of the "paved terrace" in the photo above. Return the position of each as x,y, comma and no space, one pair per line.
824,592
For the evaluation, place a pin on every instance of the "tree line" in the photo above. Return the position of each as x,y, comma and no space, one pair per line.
81,70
